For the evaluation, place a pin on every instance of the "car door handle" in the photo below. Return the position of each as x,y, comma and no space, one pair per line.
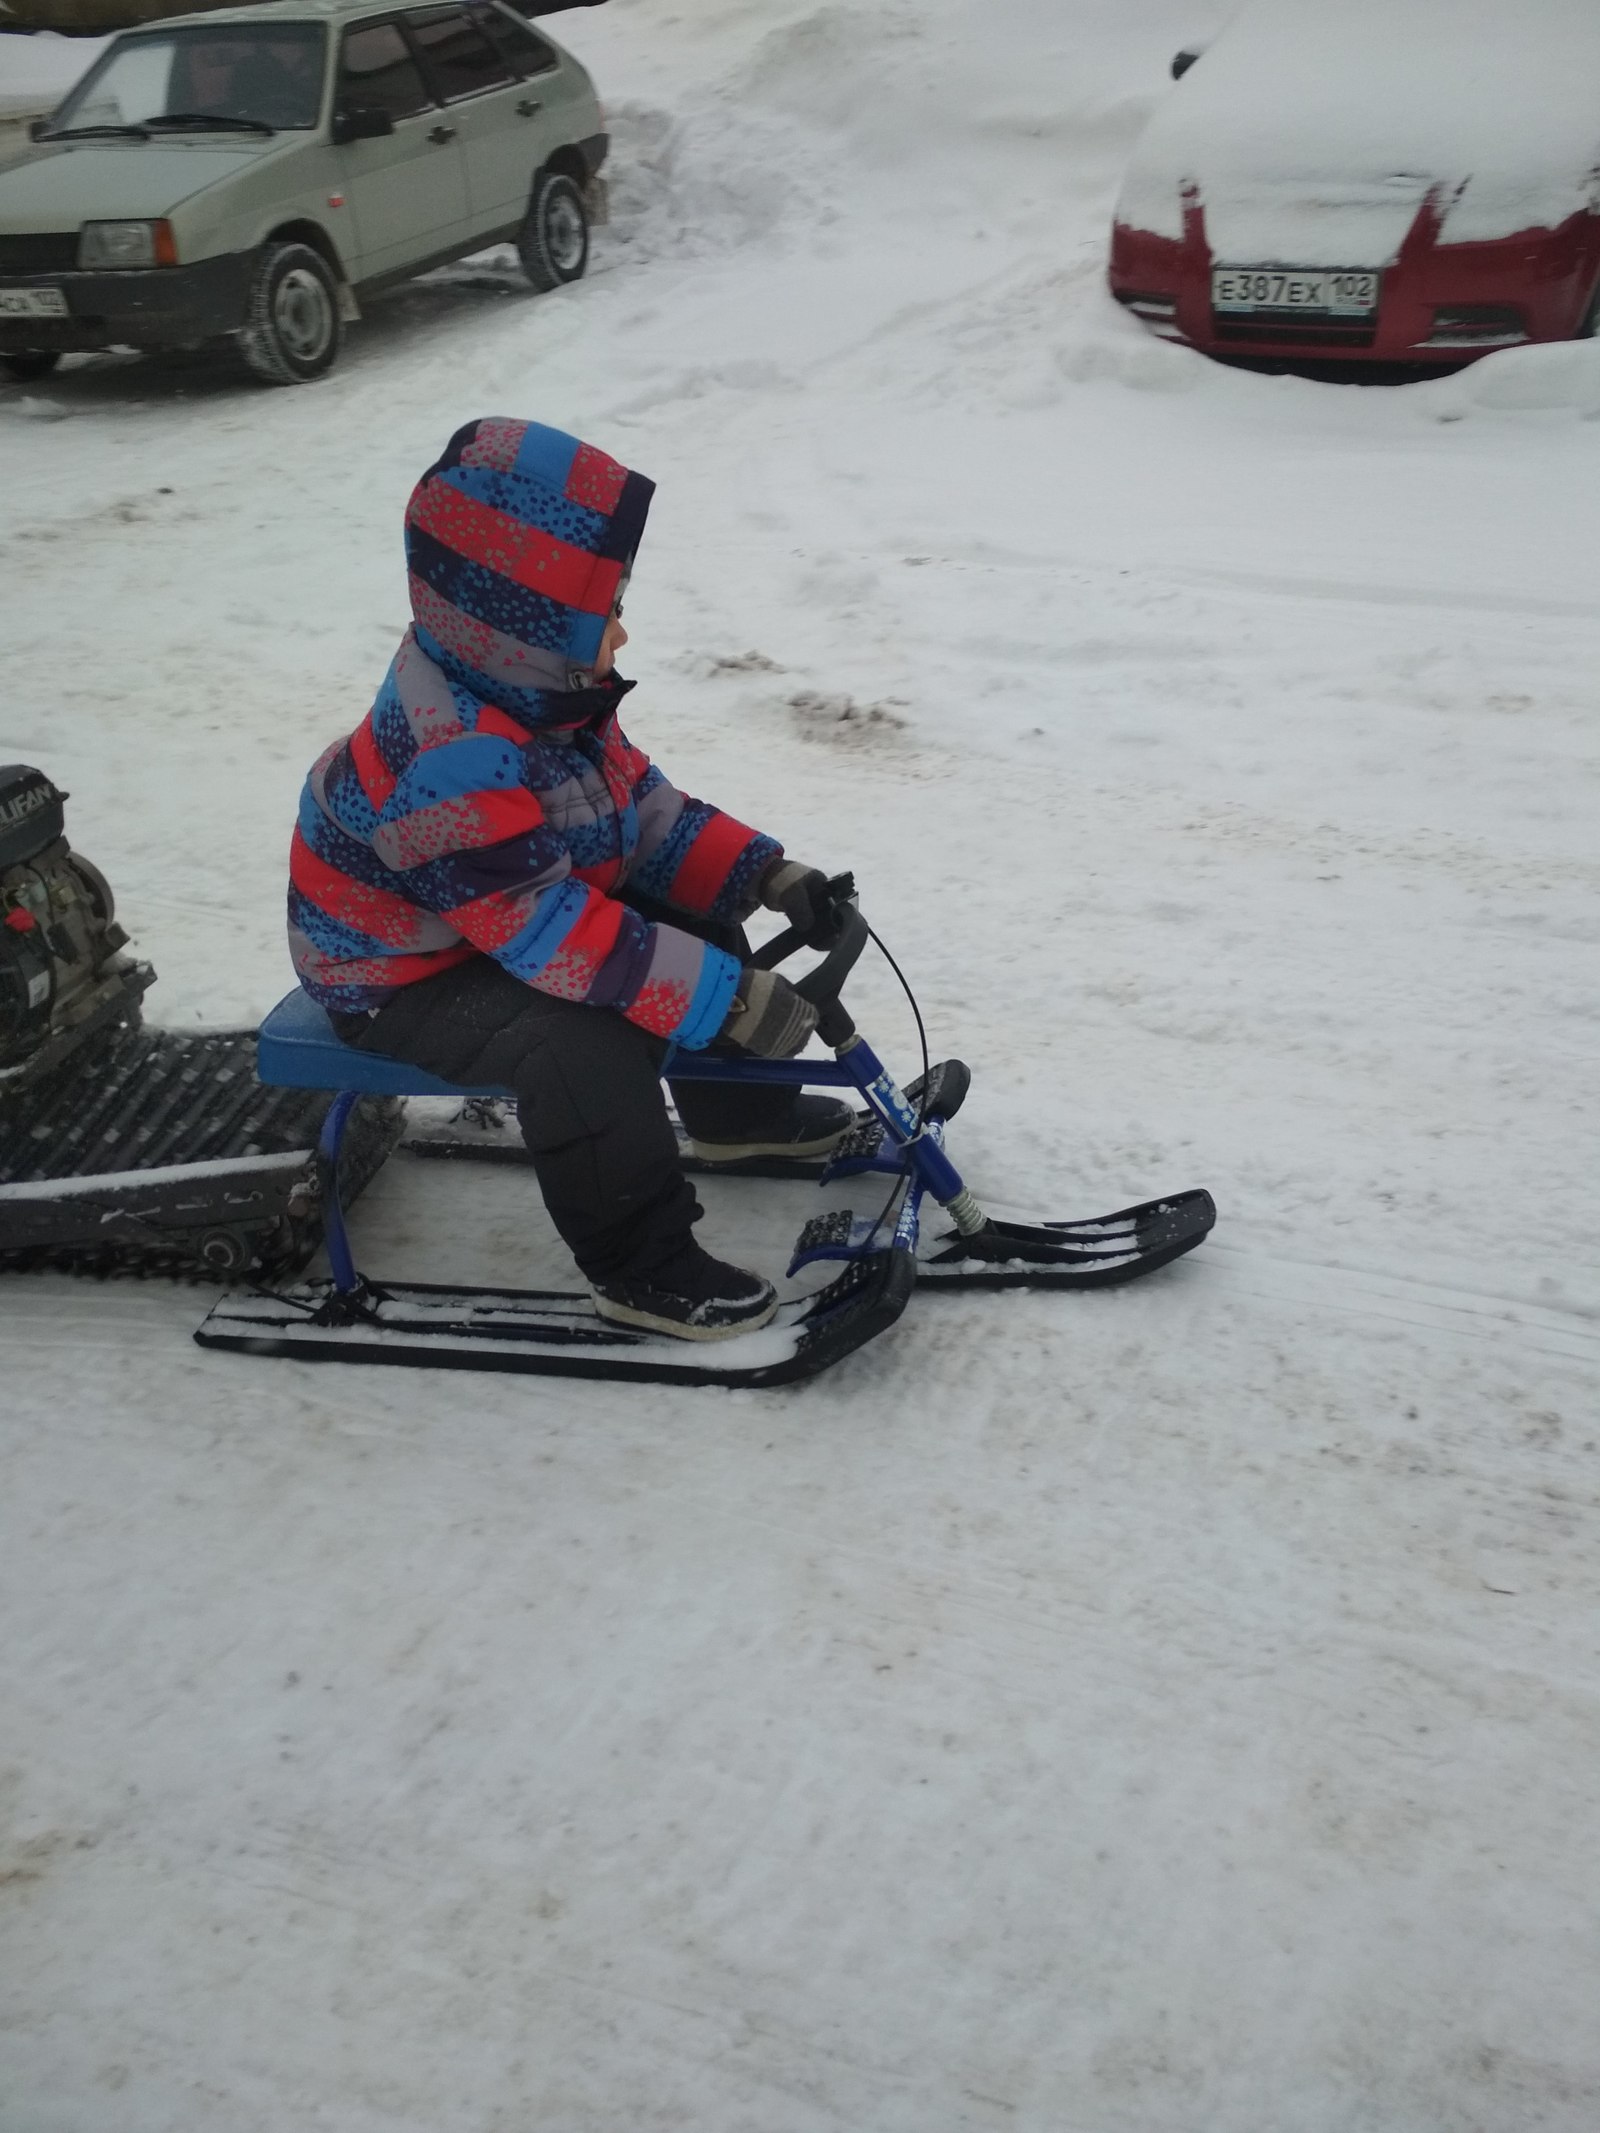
528,106
441,134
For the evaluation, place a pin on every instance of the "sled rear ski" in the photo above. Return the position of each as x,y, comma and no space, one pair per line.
883,1257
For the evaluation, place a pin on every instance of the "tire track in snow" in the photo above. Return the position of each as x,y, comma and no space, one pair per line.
1476,602
1570,1330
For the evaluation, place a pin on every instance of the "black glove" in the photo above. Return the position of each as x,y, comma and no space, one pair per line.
768,1017
808,899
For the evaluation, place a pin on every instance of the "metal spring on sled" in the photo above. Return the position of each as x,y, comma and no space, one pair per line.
965,1213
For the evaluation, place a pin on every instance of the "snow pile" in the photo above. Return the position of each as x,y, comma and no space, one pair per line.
1315,133
1562,378
1099,1714
36,72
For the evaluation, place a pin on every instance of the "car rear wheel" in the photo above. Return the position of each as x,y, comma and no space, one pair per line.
26,364
292,328
553,243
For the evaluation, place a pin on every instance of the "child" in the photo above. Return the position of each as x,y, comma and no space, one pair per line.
489,881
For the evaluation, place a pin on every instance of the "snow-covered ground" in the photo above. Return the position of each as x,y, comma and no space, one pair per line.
1173,1711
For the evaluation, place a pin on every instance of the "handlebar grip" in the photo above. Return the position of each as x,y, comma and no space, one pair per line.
841,896
823,985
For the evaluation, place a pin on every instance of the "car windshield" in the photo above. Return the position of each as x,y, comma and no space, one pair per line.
244,75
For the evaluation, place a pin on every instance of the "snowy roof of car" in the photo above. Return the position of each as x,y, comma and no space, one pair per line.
280,11
1313,133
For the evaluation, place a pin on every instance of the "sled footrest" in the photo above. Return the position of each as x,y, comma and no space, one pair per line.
823,1233
856,1239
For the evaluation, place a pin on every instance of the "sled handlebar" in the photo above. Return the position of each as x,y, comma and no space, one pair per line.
823,985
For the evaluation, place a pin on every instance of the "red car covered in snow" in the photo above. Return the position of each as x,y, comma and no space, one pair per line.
1407,182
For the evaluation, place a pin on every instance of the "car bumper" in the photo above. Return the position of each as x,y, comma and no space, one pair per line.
1439,305
1385,339
158,307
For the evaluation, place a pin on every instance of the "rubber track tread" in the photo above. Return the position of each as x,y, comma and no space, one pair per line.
148,1099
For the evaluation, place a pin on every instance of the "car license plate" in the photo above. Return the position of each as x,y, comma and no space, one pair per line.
32,303
1328,292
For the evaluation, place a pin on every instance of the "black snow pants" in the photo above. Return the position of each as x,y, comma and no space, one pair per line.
589,1099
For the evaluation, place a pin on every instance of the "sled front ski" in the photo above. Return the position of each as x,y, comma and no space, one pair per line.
1017,1255
1070,1255
535,1330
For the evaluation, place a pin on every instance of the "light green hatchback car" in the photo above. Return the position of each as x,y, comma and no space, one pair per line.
254,172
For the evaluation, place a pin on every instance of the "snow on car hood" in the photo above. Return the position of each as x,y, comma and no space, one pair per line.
1314,132
83,181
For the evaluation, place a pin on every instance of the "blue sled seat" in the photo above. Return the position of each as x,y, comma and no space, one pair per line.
297,1049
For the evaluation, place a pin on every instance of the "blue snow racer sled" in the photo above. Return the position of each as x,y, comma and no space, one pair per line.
351,1318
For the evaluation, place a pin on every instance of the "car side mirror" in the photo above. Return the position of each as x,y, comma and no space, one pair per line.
361,122
1183,61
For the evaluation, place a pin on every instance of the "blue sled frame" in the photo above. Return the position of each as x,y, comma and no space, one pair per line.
353,1319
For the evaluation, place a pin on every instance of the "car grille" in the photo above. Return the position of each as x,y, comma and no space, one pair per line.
50,252
1303,332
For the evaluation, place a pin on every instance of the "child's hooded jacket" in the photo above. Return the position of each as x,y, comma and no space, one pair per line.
489,801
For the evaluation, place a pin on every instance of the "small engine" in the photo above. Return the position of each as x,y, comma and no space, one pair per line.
62,975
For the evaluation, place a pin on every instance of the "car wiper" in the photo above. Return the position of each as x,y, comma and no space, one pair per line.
84,133
222,121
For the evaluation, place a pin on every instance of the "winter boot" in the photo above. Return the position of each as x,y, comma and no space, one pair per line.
691,1296
812,1126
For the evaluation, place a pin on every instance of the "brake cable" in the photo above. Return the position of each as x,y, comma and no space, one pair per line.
903,1181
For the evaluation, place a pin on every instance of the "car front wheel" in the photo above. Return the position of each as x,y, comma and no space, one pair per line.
553,243
26,364
292,329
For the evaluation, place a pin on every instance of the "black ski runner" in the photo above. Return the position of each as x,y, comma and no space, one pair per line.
536,1330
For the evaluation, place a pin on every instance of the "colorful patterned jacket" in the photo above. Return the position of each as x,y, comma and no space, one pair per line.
490,802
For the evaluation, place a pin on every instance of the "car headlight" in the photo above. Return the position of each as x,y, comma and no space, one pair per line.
127,244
